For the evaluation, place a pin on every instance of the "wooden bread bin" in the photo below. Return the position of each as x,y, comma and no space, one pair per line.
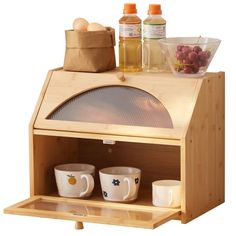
192,150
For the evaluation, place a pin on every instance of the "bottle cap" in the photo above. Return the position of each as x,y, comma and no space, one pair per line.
130,8
154,9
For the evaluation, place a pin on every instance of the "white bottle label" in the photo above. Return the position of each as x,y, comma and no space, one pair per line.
130,30
154,31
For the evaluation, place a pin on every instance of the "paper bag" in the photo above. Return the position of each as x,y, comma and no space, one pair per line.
91,51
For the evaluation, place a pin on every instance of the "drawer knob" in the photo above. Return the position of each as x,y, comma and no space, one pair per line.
120,76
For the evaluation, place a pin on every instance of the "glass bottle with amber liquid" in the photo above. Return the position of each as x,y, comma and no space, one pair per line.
130,40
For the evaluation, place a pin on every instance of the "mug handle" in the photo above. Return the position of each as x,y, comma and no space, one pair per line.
131,188
90,184
170,197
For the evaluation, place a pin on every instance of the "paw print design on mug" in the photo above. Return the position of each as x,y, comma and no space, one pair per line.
116,182
105,194
120,183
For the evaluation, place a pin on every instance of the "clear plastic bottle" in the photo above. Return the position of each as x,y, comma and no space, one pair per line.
154,28
130,43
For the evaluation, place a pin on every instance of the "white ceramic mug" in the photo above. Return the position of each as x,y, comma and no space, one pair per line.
120,184
166,193
75,179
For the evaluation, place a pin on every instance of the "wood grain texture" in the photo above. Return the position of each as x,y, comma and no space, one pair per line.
121,138
220,138
155,161
49,152
203,151
31,128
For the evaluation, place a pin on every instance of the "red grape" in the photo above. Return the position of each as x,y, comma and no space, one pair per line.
192,56
191,59
204,62
179,47
180,55
186,49
202,56
197,49
197,63
188,70
187,61
195,69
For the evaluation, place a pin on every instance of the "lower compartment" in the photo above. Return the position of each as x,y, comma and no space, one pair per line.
155,161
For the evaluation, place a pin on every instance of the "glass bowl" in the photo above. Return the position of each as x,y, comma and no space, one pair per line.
189,56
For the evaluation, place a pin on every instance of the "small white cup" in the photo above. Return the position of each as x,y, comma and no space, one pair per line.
75,180
166,193
120,184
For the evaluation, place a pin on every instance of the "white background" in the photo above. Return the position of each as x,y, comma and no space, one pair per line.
32,42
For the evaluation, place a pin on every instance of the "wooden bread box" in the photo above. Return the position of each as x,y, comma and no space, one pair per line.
186,143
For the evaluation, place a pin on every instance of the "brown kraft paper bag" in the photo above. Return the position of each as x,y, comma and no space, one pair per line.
91,51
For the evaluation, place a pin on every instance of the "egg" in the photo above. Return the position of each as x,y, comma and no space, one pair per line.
80,24
96,27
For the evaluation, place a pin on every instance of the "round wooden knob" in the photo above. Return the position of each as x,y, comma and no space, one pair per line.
79,225
121,76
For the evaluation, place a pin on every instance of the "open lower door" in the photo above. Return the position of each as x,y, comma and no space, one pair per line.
94,211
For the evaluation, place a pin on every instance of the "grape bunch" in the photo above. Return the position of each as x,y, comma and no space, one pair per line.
190,59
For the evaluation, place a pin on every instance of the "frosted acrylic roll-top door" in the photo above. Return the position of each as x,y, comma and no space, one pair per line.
121,105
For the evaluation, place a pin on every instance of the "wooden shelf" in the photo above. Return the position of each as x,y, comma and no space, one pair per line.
144,197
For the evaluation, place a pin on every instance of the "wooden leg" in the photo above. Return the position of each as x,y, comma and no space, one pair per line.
79,225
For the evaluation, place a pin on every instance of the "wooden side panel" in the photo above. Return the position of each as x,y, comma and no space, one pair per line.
31,128
203,151
49,152
220,138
